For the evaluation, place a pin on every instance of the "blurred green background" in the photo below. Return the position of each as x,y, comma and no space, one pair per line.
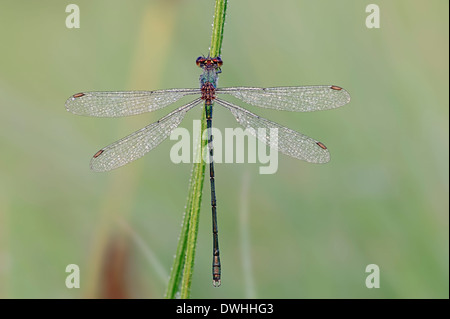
308,231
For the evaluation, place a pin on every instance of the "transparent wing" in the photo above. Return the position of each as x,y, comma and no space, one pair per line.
295,98
116,104
288,141
140,142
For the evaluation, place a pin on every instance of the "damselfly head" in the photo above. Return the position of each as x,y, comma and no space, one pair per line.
209,63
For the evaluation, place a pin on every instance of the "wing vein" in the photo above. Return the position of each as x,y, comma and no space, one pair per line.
140,142
117,104
294,98
278,137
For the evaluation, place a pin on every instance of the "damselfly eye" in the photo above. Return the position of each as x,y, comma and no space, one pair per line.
200,60
218,61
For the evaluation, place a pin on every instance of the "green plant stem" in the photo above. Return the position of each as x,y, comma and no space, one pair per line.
183,265
193,209
218,26
187,240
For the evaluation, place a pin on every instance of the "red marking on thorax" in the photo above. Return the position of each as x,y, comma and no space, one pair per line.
208,91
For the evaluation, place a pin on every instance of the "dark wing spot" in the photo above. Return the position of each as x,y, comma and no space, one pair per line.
98,153
334,87
321,145
78,95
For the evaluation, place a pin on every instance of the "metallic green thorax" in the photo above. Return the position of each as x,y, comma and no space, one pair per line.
208,84
209,76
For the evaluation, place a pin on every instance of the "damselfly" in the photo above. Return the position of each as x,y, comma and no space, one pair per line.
137,144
